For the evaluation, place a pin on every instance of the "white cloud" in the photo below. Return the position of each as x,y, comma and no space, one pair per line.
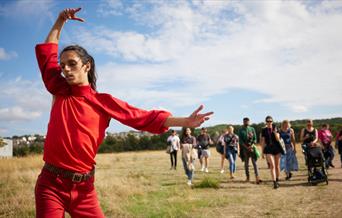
24,100
4,55
299,108
25,8
17,114
3,130
110,7
289,51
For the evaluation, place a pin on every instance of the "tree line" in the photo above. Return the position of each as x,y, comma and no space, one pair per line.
131,142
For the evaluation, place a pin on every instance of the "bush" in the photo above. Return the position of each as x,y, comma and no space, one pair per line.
21,151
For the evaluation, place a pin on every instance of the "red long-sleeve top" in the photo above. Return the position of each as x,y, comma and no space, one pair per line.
80,116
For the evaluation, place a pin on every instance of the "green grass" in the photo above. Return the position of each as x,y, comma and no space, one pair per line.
170,202
208,182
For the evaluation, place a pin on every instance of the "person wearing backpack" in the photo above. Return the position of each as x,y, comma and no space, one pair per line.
248,139
203,143
231,149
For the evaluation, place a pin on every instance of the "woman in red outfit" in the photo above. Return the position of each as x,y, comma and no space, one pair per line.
78,119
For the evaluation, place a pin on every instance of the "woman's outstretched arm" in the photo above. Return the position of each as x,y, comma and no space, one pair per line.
66,14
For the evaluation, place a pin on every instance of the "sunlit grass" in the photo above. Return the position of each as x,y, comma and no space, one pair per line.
140,184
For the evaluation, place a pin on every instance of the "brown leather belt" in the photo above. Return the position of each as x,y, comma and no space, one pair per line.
74,176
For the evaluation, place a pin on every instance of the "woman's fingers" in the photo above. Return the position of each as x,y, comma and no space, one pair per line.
79,19
207,114
70,14
197,110
77,9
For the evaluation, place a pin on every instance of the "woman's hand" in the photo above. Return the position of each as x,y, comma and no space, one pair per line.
196,119
70,14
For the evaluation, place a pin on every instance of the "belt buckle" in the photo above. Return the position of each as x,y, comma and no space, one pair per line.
77,177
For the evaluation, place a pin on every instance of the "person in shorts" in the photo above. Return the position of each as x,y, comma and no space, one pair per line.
203,143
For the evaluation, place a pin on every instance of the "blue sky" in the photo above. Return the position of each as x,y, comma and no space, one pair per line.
250,58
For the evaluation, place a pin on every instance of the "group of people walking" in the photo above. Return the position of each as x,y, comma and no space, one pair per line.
278,146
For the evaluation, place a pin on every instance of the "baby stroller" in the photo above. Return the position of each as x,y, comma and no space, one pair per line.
314,160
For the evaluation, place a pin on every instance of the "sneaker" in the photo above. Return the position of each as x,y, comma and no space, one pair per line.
202,169
275,185
206,170
189,183
222,171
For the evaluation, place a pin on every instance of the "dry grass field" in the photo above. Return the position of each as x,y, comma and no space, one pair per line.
140,184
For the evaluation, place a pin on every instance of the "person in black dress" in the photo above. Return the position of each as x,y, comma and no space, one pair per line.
270,142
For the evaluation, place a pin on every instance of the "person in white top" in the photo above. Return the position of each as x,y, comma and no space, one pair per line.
174,141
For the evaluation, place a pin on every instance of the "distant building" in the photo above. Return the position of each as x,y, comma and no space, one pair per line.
137,134
6,148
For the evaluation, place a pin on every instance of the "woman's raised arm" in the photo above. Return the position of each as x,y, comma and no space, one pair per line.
66,14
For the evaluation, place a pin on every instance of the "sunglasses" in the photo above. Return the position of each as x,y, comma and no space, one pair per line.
269,121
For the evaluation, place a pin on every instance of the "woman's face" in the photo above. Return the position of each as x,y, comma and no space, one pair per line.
188,131
286,125
74,71
230,130
269,122
309,124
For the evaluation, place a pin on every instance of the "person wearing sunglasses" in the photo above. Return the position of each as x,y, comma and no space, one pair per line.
270,142
78,119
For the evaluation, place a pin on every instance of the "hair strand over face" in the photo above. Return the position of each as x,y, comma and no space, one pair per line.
85,57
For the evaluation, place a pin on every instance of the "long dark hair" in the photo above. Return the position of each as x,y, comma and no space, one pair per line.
85,57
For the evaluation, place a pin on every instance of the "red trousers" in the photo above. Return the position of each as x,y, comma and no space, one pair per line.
56,195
